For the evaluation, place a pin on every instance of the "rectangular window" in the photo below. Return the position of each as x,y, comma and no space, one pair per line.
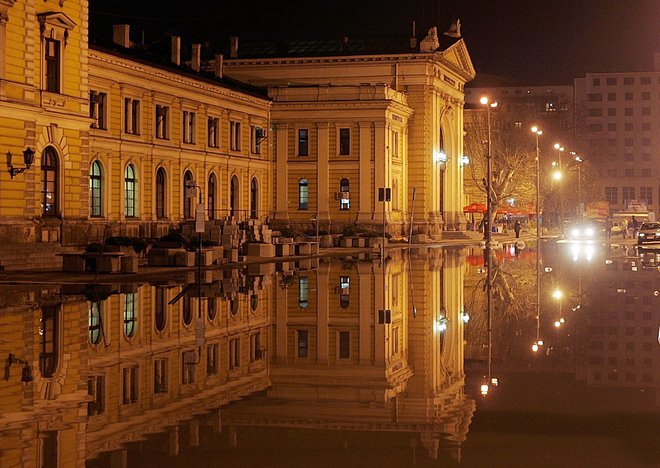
303,142
257,135
646,156
646,126
189,127
645,80
596,81
52,65
595,112
212,359
255,347
646,96
611,127
612,195
629,81
611,96
344,141
98,109
646,111
611,81
395,144
303,344
213,124
627,142
160,376
235,136
131,116
234,353
628,127
129,385
628,193
628,96
162,122
96,390
629,157
646,172
344,345
646,193
611,111
188,367
628,111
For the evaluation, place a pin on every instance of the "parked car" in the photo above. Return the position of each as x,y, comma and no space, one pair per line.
648,232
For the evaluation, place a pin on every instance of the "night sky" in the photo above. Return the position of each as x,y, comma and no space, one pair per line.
533,41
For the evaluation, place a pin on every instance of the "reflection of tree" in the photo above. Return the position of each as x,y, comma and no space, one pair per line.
513,308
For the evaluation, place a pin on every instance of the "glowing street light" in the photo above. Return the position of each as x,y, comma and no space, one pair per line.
489,171
560,149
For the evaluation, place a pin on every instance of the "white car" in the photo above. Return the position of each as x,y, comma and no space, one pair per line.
648,232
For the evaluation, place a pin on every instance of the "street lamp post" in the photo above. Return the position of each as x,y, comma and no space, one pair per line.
538,342
578,159
489,172
559,149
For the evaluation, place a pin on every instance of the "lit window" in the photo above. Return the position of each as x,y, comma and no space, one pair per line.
303,194
303,291
344,193
130,192
130,314
96,190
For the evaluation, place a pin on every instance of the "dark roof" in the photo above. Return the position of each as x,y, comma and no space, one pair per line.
329,47
159,57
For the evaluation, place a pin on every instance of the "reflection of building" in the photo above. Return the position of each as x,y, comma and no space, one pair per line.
623,339
112,365
340,365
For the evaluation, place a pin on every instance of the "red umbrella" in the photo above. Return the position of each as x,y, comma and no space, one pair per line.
474,208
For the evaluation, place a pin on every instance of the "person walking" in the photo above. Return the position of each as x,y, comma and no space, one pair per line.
608,227
624,228
516,227
635,227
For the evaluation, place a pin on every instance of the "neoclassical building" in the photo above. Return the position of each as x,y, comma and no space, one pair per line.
117,140
351,117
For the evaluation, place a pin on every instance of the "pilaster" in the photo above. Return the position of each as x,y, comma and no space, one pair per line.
323,172
322,314
282,187
367,189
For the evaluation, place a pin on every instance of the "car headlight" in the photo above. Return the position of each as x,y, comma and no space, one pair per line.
589,232
641,234
575,232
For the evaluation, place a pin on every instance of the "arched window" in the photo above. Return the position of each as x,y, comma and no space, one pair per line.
254,302
95,323
344,200
234,196
211,309
187,310
130,192
160,193
130,314
303,291
303,194
188,195
49,340
254,192
95,190
49,186
160,314
211,191
233,307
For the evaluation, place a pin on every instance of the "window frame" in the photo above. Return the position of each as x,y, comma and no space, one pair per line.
303,194
344,141
96,189
162,123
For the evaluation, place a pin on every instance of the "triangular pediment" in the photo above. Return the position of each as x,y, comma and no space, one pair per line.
458,56
57,19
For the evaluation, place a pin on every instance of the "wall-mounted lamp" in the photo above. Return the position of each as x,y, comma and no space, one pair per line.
465,160
26,374
28,159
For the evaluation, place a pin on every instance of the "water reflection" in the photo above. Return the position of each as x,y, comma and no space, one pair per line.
363,361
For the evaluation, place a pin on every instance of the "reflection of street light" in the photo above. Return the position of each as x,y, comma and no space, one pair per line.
559,149
489,172
559,295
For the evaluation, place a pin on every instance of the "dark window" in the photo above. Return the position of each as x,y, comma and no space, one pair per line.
49,341
344,345
52,57
160,376
188,364
189,195
160,319
212,129
130,314
131,116
303,343
234,353
235,136
160,193
254,198
187,312
211,189
162,122
344,141
303,142
96,390
97,109
188,127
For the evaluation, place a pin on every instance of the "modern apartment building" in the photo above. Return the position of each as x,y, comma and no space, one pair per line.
621,134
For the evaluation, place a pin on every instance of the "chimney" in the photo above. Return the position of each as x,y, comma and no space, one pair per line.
196,57
218,65
120,35
233,47
413,38
176,50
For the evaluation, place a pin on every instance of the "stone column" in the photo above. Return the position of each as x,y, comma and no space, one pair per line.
367,189
381,170
281,156
323,172
281,325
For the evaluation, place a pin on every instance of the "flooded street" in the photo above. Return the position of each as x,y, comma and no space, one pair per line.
343,361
